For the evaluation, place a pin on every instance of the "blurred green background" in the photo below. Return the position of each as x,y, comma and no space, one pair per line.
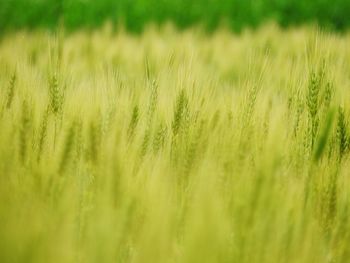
135,14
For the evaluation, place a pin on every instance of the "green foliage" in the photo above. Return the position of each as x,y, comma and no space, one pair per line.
134,15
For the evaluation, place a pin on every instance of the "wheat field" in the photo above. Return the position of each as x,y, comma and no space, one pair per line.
175,146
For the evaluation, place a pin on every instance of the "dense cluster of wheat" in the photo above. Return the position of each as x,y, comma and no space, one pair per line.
175,147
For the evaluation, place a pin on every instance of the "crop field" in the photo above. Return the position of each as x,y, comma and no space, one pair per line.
175,146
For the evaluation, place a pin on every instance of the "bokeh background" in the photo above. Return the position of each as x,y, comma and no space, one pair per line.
134,15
